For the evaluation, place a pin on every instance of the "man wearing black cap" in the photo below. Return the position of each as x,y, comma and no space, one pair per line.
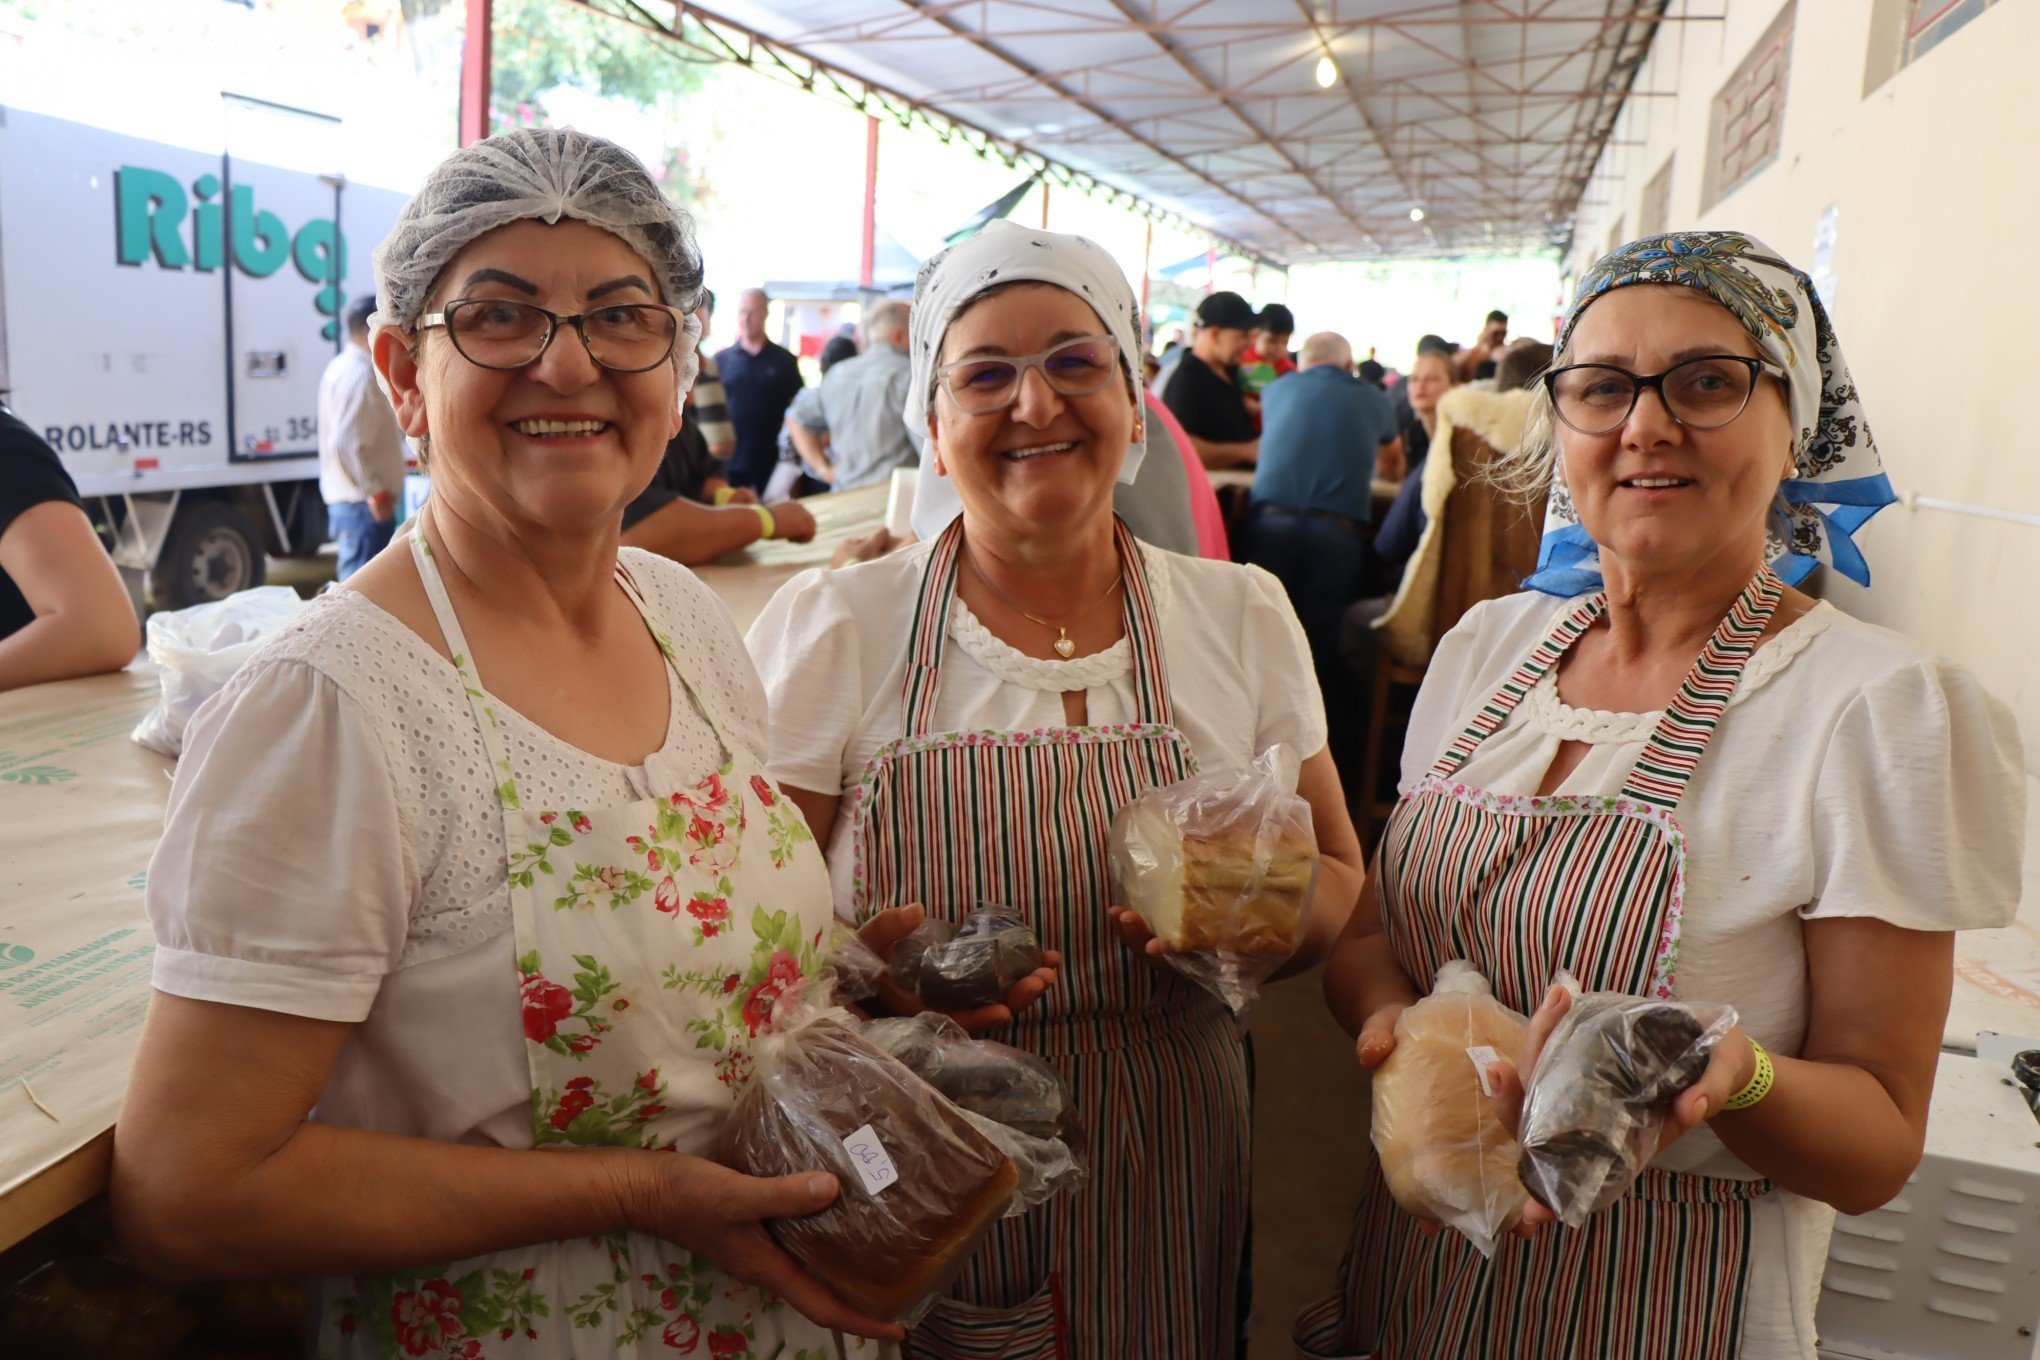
1202,392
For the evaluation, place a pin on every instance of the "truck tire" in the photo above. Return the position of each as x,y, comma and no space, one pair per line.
213,551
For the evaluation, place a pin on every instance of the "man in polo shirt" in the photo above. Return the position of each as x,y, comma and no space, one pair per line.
1202,392
759,379
1321,431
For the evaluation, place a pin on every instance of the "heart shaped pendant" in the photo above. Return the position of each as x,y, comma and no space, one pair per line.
1065,648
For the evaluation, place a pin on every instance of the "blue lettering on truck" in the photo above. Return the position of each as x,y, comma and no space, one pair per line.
152,210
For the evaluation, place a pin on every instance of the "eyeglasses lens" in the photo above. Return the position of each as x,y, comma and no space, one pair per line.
629,338
1701,393
980,386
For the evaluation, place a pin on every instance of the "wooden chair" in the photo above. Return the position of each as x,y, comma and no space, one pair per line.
1488,544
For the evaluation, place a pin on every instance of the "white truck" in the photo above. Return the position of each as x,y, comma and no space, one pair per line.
165,314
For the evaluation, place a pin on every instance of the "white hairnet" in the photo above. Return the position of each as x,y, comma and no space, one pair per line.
532,173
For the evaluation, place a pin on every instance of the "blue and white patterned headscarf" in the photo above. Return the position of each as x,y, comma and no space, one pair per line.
1840,481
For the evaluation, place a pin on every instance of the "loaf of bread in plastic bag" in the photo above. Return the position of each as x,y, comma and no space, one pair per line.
1444,1152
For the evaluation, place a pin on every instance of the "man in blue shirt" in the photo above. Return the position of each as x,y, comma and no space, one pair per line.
1321,429
759,379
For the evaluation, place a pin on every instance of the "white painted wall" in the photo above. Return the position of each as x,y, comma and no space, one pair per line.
1935,176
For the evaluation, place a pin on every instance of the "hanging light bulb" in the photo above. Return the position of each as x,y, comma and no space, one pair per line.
1327,73
1416,214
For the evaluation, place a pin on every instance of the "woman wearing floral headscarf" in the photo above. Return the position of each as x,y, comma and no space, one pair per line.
1685,778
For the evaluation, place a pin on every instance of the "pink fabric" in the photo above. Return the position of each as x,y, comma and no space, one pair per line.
1204,511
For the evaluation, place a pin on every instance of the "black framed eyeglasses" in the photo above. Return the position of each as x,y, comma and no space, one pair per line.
1702,394
628,337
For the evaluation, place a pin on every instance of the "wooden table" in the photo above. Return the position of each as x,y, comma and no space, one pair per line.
747,578
83,808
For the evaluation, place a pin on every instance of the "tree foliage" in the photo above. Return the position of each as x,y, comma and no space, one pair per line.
543,45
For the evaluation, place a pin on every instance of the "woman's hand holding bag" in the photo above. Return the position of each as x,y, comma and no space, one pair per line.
887,928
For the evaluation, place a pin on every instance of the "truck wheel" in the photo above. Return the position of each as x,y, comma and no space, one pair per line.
212,552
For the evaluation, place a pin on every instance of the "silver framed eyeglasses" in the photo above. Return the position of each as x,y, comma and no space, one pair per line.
629,337
986,383
1701,394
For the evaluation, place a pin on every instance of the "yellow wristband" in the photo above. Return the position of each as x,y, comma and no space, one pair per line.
1759,1084
725,494
765,518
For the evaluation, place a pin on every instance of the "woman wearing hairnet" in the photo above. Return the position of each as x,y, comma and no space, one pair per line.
464,869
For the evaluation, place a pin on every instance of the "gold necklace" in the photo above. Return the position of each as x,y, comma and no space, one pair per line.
1065,646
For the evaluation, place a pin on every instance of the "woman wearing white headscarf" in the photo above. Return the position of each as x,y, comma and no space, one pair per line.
473,893
1684,779
960,721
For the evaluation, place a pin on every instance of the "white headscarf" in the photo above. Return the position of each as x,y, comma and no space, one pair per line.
1005,252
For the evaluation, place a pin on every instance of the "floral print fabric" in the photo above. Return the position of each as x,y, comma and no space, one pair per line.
1840,482
653,940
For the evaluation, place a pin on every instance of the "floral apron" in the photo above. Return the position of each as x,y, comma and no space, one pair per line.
652,940
1142,1262
1523,886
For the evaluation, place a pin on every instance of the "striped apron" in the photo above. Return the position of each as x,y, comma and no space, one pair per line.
1143,1261
1524,886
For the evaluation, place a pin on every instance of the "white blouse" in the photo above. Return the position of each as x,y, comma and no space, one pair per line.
1853,774
831,647
334,849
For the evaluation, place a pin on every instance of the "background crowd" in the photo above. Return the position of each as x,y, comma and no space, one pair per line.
1319,453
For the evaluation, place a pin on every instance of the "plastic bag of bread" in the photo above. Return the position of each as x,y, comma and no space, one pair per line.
956,965
1221,868
1598,1098
921,1184
1443,1150
1015,1099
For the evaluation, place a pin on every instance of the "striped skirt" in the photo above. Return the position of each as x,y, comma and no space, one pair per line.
1661,1275
1143,1263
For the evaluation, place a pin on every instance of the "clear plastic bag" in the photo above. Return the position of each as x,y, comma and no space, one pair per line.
1597,1100
1221,868
921,1184
1443,1149
199,649
1015,1099
960,965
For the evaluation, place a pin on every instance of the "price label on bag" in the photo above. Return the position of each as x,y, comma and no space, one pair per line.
874,1164
1484,1058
